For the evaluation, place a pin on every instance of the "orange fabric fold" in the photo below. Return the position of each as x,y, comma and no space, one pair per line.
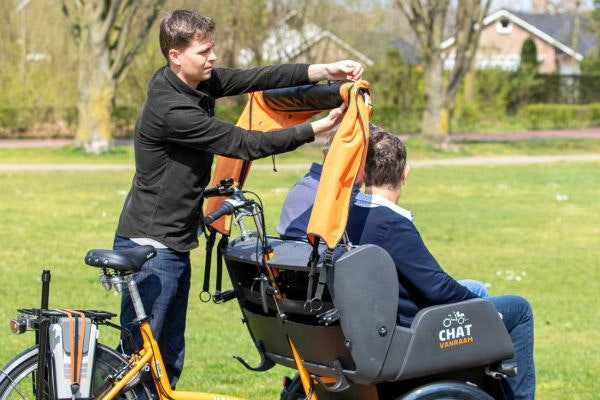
256,116
344,162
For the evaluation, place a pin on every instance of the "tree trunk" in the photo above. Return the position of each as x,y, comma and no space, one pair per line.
232,33
470,79
95,105
109,34
428,19
435,121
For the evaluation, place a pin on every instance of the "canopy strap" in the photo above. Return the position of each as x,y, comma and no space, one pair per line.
314,296
210,243
218,296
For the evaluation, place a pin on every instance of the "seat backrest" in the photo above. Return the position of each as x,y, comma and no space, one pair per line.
365,291
450,337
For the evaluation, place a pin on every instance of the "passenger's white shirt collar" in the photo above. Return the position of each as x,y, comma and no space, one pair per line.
372,201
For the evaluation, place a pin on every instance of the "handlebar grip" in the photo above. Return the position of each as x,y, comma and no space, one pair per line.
218,191
211,192
226,208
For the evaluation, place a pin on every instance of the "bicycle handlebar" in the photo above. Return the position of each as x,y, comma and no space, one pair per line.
237,203
227,207
224,188
233,202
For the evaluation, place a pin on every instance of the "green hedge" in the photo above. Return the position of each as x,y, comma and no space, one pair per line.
230,113
556,116
24,118
53,121
392,119
48,121
17,122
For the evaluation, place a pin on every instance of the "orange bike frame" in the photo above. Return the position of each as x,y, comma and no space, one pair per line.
150,354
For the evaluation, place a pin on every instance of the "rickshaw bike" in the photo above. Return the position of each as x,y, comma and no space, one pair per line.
321,306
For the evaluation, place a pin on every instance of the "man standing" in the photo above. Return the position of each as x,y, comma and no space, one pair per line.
176,136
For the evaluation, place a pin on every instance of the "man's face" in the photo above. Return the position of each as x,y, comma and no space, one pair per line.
195,61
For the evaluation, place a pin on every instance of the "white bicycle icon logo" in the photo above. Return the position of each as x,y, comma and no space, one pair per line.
457,317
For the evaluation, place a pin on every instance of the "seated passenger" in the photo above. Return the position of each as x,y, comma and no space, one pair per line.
375,218
297,206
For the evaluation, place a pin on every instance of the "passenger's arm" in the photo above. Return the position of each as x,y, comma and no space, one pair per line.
417,265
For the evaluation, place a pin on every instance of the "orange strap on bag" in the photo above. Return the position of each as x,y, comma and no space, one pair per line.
343,163
256,116
76,348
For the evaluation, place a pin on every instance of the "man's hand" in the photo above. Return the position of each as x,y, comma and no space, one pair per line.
346,69
330,121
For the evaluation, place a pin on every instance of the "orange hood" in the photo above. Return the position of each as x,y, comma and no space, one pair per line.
343,164
256,116
344,161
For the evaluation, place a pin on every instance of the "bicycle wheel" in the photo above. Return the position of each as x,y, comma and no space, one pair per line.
17,378
447,391
294,390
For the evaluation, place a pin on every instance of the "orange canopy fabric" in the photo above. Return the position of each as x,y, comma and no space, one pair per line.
343,163
259,117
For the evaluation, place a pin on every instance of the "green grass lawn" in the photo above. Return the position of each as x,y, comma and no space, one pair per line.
530,230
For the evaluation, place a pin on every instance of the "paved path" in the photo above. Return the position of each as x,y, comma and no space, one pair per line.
457,137
583,133
40,143
480,160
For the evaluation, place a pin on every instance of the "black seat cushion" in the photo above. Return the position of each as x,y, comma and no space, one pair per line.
128,261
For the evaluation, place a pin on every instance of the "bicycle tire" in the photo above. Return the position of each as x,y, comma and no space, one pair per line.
447,390
17,378
294,391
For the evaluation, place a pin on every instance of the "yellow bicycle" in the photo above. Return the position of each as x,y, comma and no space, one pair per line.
68,363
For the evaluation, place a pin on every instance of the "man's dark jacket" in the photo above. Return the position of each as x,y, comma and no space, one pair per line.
176,136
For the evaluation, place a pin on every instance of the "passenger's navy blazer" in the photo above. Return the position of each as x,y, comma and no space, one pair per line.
374,220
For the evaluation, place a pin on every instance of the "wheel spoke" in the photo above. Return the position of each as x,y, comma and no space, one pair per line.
18,379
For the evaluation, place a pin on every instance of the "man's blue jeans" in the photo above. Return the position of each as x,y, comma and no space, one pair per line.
518,319
164,285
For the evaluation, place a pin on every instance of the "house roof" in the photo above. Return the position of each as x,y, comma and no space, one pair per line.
292,37
555,29
560,27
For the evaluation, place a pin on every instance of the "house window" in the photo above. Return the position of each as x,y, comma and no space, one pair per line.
504,26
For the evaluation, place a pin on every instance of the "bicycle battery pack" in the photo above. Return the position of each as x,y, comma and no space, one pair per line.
74,363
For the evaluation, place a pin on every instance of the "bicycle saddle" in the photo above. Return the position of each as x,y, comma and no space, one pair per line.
128,261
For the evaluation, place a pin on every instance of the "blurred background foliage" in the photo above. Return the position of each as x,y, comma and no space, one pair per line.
38,60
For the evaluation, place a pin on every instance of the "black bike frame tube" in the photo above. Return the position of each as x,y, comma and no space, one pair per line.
45,297
41,337
45,289
44,326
